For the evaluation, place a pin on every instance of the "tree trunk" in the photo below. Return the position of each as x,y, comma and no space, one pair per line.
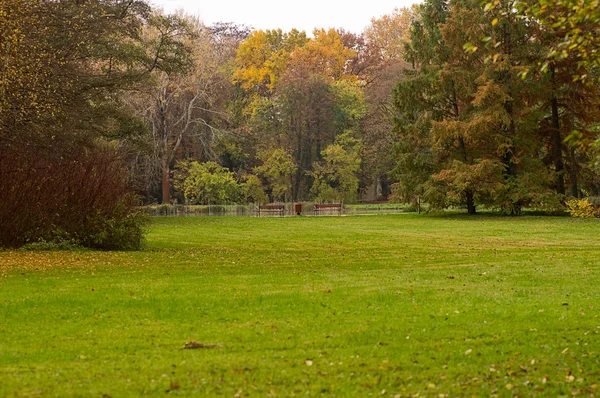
572,157
298,179
469,196
557,158
166,183
471,208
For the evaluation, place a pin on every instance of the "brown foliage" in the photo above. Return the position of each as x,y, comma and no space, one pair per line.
73,196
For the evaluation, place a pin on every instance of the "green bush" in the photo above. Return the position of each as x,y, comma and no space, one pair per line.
122,229
57,244
206,183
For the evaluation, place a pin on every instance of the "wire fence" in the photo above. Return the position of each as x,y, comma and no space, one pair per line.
289,210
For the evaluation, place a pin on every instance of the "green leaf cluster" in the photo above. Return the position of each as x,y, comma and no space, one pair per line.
336,175
207,183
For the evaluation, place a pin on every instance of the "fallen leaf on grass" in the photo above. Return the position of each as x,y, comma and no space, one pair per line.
172,387
190,345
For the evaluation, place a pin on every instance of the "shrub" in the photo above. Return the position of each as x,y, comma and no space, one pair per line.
582,208
206,183
119,229
81,197
57,244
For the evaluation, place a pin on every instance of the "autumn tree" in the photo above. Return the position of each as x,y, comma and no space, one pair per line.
389,33
262,59
64,66
252,189
510,98
575,24
432,101
185,110
567,128
336,174
571,48
277,169
307,115
299,95
385,38
476,122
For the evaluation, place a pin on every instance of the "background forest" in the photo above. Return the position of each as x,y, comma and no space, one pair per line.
451,103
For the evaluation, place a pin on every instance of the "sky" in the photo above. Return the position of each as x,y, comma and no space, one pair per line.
305,15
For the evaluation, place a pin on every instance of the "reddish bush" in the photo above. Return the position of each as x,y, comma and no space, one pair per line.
80,195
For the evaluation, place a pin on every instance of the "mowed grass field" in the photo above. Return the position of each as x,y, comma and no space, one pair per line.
403,305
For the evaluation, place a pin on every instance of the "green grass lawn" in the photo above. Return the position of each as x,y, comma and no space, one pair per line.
399,305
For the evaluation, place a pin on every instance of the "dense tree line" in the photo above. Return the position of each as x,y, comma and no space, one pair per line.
492,126
109,103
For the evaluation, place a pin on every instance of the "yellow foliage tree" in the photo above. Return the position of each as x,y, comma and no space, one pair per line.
263,56
324,55
389,33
